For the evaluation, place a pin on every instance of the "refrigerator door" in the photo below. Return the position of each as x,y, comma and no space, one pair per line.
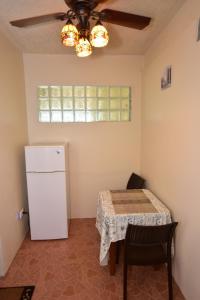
47,205
45,158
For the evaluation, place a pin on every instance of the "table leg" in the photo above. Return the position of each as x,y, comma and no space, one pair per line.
112,258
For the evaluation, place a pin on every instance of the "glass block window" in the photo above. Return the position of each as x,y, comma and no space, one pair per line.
84,103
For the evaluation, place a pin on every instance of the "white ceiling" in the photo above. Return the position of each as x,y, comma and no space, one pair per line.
45,38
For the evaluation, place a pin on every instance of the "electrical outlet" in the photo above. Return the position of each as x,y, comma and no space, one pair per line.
19,214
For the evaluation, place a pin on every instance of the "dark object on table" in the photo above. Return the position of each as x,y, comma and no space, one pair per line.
135,182
148,245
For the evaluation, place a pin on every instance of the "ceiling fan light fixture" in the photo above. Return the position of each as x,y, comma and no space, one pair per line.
69,34
99,35
83,48
81,12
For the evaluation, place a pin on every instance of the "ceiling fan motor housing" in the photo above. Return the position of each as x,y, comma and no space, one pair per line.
74,4
82,9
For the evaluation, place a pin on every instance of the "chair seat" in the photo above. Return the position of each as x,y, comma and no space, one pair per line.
141,255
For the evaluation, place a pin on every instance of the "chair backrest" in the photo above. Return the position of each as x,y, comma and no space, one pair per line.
135,182
150,235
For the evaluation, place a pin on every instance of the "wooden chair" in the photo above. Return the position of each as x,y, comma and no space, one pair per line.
148,245
135,182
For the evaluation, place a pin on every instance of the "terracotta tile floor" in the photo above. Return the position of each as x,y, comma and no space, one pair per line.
69,269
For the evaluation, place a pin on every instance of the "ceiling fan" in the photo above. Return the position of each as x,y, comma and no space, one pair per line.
80,12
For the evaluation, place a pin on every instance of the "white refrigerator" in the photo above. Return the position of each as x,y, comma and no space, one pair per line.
47,177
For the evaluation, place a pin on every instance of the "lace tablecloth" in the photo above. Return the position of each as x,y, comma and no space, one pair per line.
112,227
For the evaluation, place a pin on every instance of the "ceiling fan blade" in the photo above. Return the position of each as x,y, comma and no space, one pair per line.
124,19
38,19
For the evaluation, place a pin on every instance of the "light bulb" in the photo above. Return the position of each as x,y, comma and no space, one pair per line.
83,48
99,35
69,34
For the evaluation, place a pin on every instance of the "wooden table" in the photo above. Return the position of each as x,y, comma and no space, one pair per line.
116,209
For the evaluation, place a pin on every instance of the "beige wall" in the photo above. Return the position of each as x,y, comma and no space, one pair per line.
170,137
102,155
13,133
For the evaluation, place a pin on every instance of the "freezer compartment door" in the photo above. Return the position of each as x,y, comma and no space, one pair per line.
47,205
45,158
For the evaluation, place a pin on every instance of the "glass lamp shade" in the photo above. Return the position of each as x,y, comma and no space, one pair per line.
99,36
83,48
69,35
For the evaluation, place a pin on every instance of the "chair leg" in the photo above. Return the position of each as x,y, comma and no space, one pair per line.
169,273
125,282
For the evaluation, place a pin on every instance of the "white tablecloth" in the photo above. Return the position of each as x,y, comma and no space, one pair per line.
112,227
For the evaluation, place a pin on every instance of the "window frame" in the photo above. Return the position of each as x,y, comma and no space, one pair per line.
74,97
